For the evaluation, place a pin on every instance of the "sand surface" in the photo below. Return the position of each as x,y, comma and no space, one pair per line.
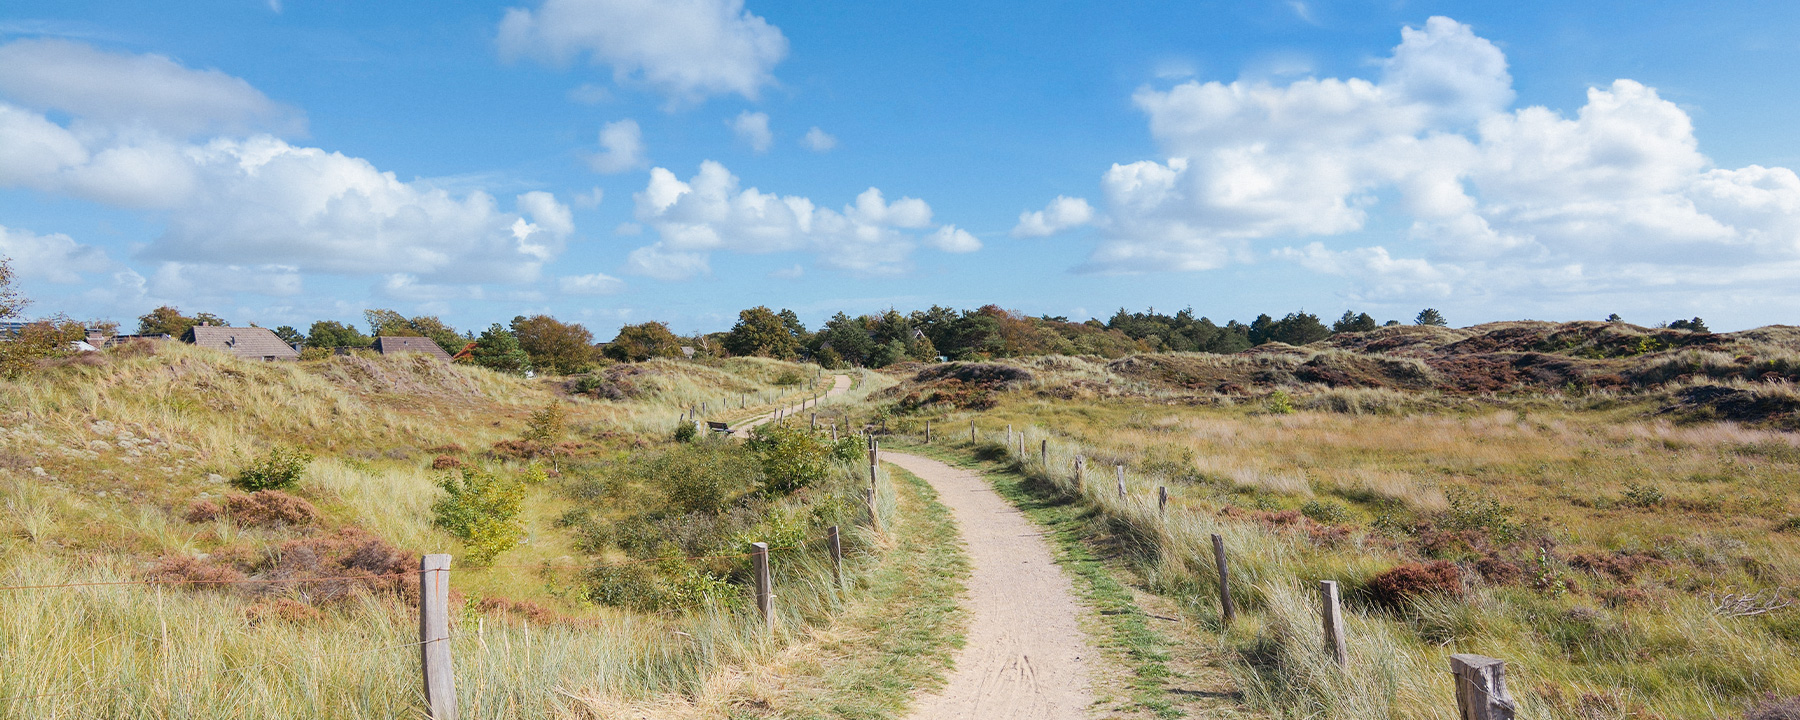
1026,655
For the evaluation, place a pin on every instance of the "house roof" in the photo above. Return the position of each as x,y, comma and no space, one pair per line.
388,345
250,343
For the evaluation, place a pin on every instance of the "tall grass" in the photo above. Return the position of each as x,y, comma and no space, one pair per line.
98,463
1570,656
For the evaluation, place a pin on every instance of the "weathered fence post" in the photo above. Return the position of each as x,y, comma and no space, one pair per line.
834,433
815,422
1227,610
1121,469
1162,499
1080,464
971,429
1044,454
1008,435
837,555
927,432
1481,688
1334,622
434,637
874,517
765,593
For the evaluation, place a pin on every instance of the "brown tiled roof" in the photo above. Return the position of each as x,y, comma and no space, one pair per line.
249,343
388,345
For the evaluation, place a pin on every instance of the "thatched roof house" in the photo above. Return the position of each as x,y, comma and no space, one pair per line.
249,343
388,345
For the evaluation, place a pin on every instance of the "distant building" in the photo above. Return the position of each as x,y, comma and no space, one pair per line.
249,343
388,345
687,351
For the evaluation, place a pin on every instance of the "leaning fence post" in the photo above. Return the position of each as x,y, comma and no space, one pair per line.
1334,622
874,517
434,637
837,555
1227,611
1121,469
765,594
1481,688
1162,499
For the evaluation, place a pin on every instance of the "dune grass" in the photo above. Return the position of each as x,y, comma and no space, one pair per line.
1704,505
100,460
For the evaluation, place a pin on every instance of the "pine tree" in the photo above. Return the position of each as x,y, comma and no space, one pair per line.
497,349
1430,316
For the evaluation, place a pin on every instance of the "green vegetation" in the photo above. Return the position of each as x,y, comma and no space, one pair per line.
280,469
482,509
1584,535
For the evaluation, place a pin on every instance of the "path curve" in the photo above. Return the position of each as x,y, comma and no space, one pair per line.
840,384
1026,656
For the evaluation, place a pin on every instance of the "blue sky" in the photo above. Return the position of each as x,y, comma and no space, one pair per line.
283,162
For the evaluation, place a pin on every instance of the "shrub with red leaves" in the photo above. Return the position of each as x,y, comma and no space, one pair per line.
263,508
1400,584
446,462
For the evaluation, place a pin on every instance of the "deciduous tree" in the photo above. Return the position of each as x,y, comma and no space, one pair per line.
637,343
555,346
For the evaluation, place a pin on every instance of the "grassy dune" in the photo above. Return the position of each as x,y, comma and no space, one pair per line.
100,461
1590,531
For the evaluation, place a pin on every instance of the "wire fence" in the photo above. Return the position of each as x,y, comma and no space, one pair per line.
158,582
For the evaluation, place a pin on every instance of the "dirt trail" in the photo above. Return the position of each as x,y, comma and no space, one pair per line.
840,384
1026,656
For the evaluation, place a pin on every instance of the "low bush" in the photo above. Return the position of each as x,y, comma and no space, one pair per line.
792,458
279,470
482,509
1398,585
1775,708
1325,511
263,508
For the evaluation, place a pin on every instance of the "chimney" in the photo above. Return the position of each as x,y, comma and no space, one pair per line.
205,324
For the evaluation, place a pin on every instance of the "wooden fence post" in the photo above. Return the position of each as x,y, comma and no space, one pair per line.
1162,499
1044,454
1008,435
1227,609
1334,622
1121,469
765,593
874,517
434,637
1481,688
1080,464
837,555
971,429
927,432
815,421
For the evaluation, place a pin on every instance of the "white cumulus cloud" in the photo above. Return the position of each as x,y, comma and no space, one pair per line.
621,148
752,128
123,89
1061,214
592,284
55,258
952,239
1491,198
687,49
712,212
818,140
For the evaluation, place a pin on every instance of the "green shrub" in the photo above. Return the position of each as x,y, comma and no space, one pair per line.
279,470
482,509
1791,524
1279,403
792,458
701,477
789,376
685,432
1325,511
1469,511
1641,496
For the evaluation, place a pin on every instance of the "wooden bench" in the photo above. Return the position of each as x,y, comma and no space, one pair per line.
718,427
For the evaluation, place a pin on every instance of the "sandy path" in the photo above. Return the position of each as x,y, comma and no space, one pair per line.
1026,655
840,384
